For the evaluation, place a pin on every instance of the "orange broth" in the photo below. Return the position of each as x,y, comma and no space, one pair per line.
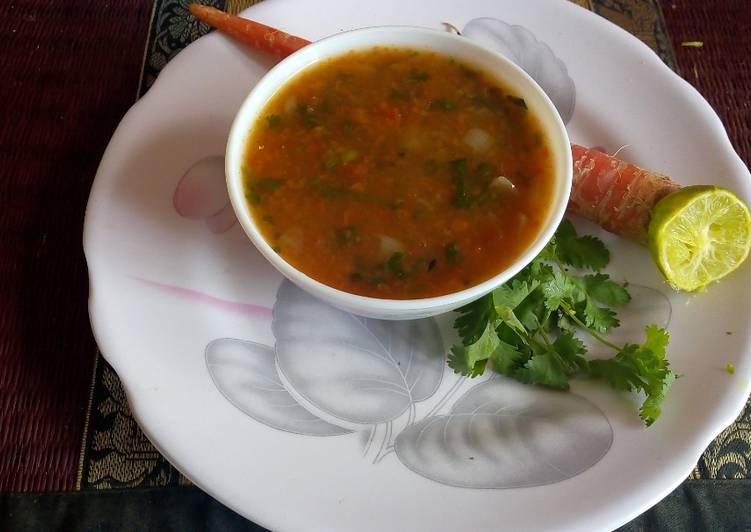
397,173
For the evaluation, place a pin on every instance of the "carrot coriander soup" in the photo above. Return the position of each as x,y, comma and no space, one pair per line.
397,173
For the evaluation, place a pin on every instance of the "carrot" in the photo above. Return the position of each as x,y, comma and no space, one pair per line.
254,34
616,195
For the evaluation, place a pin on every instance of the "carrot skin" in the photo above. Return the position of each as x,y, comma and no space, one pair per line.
254,34
616,195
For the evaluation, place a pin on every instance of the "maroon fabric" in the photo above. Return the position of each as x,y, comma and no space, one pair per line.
69,72
721,68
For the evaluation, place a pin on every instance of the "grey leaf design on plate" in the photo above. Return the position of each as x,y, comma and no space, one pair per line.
353,369
503,434
534,57
246,375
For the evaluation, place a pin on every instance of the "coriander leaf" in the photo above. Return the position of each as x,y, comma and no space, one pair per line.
519,102
474,317
641,368
464,359
309,118
509,335
418,75
565,232
602,289
506,298
532,312
657,340
484,170
397,96
274,121
650,358
585,252
564,323
536,271
559,289
512,293
347,235
545,369
651,408
442,104
507,358
458,170
458,167
460,363
601,319
452,253
617,371
394,264
549,252
527,327
509,318
570,349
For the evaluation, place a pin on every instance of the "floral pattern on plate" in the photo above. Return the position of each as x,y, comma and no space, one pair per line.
332,373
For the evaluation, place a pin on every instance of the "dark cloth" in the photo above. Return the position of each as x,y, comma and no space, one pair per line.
701,505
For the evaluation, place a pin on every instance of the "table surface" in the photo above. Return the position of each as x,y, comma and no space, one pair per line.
70,72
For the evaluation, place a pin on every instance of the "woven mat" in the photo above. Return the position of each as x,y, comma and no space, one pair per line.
67,80
64,419
721,68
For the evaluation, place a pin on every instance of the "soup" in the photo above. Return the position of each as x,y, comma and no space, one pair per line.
398,173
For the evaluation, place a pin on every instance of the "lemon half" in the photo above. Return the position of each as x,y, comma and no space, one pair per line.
698,235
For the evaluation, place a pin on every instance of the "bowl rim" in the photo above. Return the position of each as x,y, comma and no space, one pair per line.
371,37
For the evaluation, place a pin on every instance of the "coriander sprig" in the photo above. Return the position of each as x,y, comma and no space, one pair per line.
525,329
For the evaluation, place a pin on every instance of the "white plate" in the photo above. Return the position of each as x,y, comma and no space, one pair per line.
301,439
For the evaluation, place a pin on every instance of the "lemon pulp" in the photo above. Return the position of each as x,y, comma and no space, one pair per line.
698,235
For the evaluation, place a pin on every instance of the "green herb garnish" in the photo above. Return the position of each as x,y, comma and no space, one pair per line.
418,75
484,170
394,264
397,96
525,329
350,155
330,161
458,169
274,121
332,191
442,104
519,102
252,197
345,77
347,235
309,117
452,253
259,187
470,73
266,185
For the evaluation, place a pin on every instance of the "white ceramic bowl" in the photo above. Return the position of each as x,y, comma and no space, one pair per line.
462,49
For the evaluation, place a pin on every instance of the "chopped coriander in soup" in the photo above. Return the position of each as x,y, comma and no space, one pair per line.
398,173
